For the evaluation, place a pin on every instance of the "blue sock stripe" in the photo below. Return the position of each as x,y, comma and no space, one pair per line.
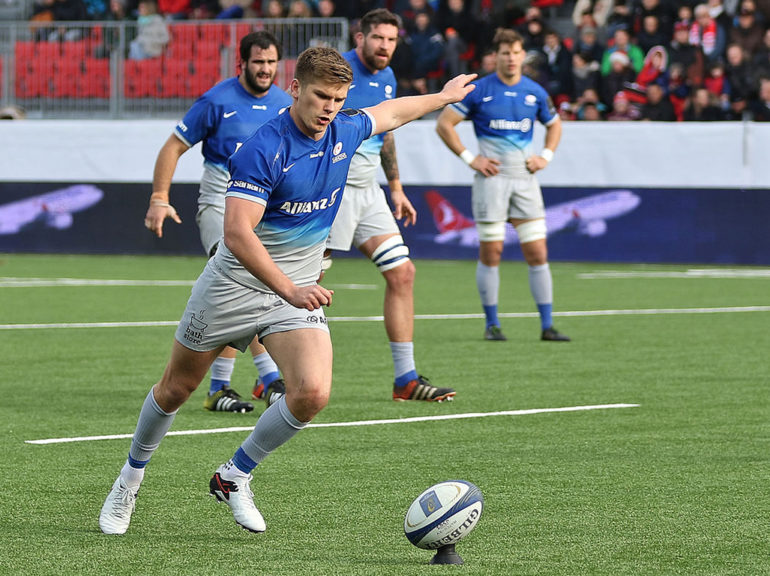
269,378
404,379
491,313
546,320
217,385
136,463
243,462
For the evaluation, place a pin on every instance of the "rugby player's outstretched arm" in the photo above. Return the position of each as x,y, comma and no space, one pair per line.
391,114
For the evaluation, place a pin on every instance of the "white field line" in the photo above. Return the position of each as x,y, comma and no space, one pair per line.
573,313
349,424
692,273
9,282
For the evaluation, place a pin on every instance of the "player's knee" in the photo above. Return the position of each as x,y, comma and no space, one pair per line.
402,276
391,254
307,401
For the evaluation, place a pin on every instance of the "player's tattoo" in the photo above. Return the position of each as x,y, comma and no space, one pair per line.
388,157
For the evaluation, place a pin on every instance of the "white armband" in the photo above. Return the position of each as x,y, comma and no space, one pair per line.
547,154
467,156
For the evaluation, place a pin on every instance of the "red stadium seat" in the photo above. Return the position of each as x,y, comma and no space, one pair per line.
96,83
75,50
207,51
143,78
214,33
185,33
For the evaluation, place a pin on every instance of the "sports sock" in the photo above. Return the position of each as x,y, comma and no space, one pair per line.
541,287
150,429
267,368
131,475
221,372
275,427
488,284
403,362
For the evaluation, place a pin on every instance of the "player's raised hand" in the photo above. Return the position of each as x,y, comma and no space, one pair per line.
156,214
459,87
310,297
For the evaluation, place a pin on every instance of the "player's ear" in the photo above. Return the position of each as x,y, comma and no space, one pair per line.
294,88
359,38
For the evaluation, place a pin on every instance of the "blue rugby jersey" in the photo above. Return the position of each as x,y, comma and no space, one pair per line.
367,89
224,117
504,118
300,182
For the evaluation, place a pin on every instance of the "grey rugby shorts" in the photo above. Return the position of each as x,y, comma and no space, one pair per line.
221,311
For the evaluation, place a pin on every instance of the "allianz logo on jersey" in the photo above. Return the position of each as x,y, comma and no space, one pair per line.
308,207
338,153
501,124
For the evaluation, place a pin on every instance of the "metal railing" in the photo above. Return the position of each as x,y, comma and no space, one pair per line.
84,69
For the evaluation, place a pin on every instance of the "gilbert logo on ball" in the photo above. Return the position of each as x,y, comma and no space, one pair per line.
444,514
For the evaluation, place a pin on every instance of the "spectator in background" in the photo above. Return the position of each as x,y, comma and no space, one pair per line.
718,86
588,44
427,50
760,63
402,63
456,22
760,108
326,9
409,13
621,73
651,34
204,9
591,112
299,9
599,10
585,74
488,63
558,64
658,107
717,12
273,9
708,34
747,32
622,43
97,9
655,69
738,75
589,106
689,56
702,108
533,33
679,89
660,10
58,11
152,32
619,16
623,110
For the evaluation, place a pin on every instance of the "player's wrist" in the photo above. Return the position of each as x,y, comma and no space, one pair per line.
547,154
467,156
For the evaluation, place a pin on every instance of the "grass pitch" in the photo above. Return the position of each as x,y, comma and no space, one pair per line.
677,485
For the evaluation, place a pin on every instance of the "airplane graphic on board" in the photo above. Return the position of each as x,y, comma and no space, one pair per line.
51,210
586,216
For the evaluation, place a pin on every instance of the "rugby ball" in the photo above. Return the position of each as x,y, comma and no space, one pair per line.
444,514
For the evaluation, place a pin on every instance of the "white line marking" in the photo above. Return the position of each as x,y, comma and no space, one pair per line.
574,313
10,282
692,273
349,424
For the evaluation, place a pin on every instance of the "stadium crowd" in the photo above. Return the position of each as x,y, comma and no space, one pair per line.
662,60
